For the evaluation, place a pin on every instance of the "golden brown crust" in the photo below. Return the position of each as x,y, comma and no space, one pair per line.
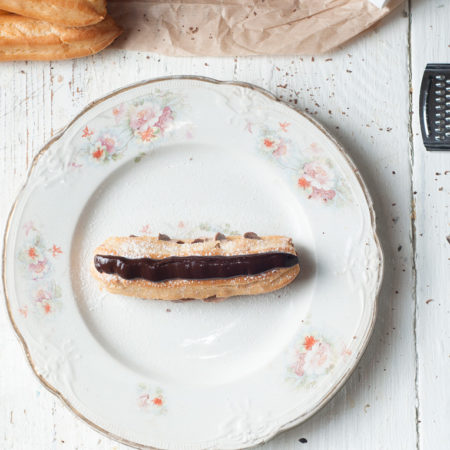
198,289
150,247
22,38
71,13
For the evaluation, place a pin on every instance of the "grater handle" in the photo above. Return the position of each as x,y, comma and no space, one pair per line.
424,90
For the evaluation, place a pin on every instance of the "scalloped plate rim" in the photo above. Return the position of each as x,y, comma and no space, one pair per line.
54,141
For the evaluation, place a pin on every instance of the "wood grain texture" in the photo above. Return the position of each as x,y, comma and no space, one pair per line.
361,94
430,39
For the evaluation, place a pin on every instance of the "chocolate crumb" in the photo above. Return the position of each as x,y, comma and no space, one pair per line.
133,235
217,245
429,301
303,440
195,241
219,237
168,310
251,235
213,299
180,242
163,237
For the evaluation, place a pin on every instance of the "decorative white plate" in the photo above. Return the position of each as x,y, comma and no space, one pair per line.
190,157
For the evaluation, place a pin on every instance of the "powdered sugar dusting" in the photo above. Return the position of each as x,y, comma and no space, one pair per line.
152,247
166,193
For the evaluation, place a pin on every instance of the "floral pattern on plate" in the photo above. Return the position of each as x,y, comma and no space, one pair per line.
47,298
217,228
313,357
38,261
317,179
151,400
183,229
104,146
140,122
316,176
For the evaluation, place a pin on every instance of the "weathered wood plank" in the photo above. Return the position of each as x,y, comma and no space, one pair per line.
430,43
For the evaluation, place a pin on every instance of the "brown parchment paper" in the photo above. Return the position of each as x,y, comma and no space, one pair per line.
242,27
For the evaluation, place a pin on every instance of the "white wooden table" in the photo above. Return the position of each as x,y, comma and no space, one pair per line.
366,94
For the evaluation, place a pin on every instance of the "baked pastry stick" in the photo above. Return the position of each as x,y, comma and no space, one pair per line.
69,13
169,269
22,38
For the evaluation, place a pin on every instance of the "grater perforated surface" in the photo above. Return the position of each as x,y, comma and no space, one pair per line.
435,107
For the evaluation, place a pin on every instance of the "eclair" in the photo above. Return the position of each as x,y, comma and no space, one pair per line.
24,38
162,268
69,13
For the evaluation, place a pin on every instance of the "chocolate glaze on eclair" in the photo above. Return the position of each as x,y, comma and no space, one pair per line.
203,268
192,267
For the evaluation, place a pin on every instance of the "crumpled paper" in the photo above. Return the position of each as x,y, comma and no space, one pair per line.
242,27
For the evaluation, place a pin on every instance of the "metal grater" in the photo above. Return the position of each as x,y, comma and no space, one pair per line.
435,107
